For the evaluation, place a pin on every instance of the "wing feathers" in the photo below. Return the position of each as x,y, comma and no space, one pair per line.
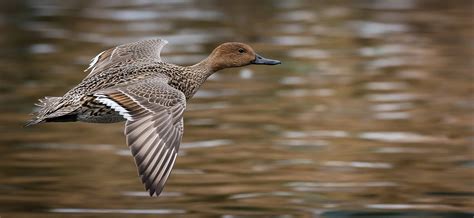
161,185
157,166
154,127
146,165
122,54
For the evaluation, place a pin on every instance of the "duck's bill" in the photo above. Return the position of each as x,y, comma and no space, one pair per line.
261,60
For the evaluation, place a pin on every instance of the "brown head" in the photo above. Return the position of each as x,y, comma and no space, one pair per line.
235,54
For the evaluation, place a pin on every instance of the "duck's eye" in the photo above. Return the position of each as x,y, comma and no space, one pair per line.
241,50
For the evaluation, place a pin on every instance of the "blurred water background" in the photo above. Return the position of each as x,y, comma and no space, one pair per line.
370,114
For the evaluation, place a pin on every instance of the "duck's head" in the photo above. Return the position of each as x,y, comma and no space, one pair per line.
236,54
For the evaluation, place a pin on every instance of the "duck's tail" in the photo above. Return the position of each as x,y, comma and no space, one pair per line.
46,107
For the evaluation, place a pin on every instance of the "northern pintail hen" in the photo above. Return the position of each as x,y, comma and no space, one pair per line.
131,83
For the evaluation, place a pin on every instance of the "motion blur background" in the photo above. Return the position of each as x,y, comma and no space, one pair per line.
370,114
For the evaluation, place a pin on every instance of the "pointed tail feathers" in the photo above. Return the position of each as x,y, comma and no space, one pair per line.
45,107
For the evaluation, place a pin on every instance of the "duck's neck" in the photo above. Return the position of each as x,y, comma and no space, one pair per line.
192,77
203,68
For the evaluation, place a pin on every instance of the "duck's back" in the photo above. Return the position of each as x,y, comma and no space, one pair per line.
115,67
121,75
81,100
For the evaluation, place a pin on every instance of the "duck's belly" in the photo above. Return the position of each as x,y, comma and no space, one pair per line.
108,118
99,115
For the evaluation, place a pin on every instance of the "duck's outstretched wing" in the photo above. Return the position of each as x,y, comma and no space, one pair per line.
148,48
154,127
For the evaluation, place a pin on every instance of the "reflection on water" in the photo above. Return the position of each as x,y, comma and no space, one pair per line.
369,115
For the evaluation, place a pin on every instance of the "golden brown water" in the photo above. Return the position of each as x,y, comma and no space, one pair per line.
370,114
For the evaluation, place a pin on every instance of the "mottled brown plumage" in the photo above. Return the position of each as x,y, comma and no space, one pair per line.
130,82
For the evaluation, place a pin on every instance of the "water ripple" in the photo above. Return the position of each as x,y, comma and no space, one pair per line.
298,15
386,85
394,150
408,206
205,144
259,194
371,29
311,186
42,49
392,116
118,211
303,143
400,137
295,40
393,97
317,133
358,164
309,53
143,15
391,106
293,80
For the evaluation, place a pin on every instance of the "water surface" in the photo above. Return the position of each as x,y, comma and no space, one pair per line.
370,114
